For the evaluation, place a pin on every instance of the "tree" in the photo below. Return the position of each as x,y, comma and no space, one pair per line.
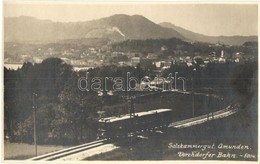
47,79
80,112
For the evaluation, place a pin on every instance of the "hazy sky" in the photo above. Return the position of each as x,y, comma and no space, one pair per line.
205,19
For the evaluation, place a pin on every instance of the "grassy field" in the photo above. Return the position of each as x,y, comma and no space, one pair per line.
21,151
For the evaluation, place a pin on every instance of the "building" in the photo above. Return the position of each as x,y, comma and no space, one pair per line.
135,61
222,59
152,56
164,48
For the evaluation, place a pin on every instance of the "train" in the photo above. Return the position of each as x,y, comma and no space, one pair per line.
125,125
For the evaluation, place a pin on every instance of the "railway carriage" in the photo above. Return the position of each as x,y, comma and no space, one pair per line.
114,127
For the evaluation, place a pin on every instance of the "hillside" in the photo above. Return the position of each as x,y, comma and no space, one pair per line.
114,28
192,36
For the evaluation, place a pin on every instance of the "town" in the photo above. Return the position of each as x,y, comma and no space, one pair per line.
84,56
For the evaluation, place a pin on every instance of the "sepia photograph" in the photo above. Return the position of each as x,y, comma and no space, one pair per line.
129,81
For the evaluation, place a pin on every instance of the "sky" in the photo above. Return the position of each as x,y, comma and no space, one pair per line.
210,19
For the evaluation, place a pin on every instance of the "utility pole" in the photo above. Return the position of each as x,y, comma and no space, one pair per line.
192,81
208,102
34,124
131,108
192,100
175,80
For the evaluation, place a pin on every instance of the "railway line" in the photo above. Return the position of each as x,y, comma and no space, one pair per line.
86,150
204,118
83,151
69,151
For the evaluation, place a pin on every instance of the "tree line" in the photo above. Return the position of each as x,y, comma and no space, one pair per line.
173,45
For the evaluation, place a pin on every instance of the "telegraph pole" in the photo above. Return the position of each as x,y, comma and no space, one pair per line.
34,124
192,81
192,100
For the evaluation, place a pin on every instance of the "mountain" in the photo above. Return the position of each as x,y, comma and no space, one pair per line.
114,28
192,36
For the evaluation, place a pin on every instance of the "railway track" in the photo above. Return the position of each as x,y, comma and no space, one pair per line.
69,151
204,118
83,151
